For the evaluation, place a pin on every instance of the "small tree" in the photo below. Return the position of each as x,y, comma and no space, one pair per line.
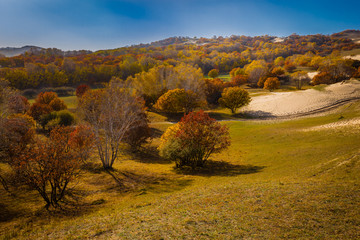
45,103
271,83
214,73
322,78
213,90
38,109
48,166
178,100
234,98
300,78
46,97
18,104
193,140
57,104
239,80
111,112
82,140
261,82
81,89
16,132
138,133
277,71
56,119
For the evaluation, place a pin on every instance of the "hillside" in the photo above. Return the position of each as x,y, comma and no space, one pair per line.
354,35
279,179
13,51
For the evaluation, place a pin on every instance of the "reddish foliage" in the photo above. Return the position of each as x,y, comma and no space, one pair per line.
17,132
213,90
46,97
239,80
39,109
139,132
322,78
48,166
57,104
45,103
18,104
200,136
81,89
271,83
82,140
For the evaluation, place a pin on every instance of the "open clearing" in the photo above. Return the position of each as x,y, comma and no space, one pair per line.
298,102
279,179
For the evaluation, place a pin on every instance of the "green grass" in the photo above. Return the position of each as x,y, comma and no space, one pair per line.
275,181
224,77
320,87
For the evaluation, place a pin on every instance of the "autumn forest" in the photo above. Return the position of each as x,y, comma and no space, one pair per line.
156,134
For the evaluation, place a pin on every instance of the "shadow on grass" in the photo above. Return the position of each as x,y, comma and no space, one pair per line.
127,181
148,154
176,117
255,114
7,214
92,167
156,133
220,168
172,117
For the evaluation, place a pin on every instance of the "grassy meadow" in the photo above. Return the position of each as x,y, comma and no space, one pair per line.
279,179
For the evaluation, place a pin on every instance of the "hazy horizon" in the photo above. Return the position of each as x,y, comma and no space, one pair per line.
95,25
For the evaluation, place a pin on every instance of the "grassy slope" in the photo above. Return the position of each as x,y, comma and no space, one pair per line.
277,182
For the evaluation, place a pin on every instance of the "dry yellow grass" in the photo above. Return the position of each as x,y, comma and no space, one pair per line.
275,181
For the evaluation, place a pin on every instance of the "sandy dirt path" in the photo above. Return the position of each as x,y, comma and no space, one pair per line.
303,102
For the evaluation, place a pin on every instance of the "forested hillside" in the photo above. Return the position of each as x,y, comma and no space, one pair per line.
258,56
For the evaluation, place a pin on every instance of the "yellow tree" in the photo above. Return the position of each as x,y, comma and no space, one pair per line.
178,100
234,98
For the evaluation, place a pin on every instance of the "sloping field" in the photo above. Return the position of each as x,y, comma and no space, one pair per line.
279,179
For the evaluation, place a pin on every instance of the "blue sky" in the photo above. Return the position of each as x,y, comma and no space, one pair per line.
105,24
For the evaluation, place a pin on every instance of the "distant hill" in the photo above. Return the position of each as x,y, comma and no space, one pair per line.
354,35
13,51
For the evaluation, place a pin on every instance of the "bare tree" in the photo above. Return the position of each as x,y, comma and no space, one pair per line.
112,112
300,78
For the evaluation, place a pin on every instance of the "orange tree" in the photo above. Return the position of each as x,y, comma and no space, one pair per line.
45,103
178,100
48,166
81,89
322,78
193,140
234,98
16,132
213,90
82,140
271,83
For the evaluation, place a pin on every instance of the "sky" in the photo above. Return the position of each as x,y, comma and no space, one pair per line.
108,24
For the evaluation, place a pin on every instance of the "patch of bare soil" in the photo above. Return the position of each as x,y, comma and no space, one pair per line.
283,104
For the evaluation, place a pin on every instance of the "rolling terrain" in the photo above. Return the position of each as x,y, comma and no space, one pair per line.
279,179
